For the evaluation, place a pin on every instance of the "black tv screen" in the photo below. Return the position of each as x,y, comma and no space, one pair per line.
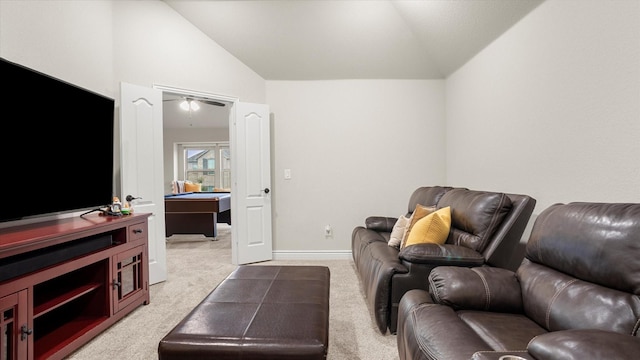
56,151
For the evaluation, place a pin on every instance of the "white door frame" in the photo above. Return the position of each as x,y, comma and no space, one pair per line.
234,171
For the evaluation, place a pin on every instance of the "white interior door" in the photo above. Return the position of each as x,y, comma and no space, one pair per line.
251,192
141,164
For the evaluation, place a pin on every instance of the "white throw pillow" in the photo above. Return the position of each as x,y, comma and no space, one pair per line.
398,231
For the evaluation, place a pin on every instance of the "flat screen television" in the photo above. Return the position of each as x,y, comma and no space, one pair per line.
56,150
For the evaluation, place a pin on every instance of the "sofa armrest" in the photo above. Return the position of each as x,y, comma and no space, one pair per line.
584,344
481,288
380,223
435,255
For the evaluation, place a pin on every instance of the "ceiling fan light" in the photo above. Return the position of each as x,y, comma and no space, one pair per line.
184,105
194,105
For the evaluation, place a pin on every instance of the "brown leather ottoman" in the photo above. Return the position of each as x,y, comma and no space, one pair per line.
257,312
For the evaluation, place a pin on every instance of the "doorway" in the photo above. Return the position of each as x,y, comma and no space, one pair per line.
248,134
192,118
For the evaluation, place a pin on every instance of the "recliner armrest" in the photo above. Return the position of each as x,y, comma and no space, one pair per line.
479,288
380,223
584,344
435,254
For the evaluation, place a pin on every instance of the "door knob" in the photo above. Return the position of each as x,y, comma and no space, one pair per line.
266,190
130,198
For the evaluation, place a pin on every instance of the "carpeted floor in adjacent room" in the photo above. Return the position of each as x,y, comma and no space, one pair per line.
195,265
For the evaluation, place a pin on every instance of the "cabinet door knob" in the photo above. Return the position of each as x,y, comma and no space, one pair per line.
25,331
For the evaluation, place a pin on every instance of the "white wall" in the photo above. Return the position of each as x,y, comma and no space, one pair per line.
70,40
154,45
355,148
552,108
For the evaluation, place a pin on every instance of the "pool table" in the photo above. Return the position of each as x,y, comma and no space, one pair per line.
196,213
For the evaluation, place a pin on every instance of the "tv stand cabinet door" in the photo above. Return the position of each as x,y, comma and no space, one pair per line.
130,278
16,333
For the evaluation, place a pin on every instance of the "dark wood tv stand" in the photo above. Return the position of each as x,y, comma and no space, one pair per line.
65,281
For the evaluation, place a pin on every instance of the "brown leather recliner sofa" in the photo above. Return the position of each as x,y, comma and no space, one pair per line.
485,229
576,295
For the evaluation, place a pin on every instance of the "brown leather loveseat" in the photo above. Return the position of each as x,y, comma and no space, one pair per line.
576,295
485,228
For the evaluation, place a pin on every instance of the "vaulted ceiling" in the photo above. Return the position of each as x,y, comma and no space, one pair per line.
354,39
345,39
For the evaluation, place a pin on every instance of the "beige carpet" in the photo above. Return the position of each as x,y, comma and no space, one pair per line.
195,265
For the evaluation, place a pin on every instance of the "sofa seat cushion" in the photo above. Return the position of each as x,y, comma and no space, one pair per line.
436,329
436,254
502,331
446,334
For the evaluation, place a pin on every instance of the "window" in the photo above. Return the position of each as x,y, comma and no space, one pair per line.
225,167
202,166
209,164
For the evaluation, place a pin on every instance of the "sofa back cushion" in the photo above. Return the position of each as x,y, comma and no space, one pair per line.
475,215
581,268
426,196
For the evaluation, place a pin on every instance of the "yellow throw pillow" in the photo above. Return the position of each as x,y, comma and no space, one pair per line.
418,213
433,228
192,187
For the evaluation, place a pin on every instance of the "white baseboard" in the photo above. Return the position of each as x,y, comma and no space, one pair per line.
312,255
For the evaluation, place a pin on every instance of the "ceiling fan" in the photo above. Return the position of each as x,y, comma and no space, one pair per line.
191,103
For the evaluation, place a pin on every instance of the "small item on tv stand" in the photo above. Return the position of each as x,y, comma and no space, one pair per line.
126,208
128,205
116,206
